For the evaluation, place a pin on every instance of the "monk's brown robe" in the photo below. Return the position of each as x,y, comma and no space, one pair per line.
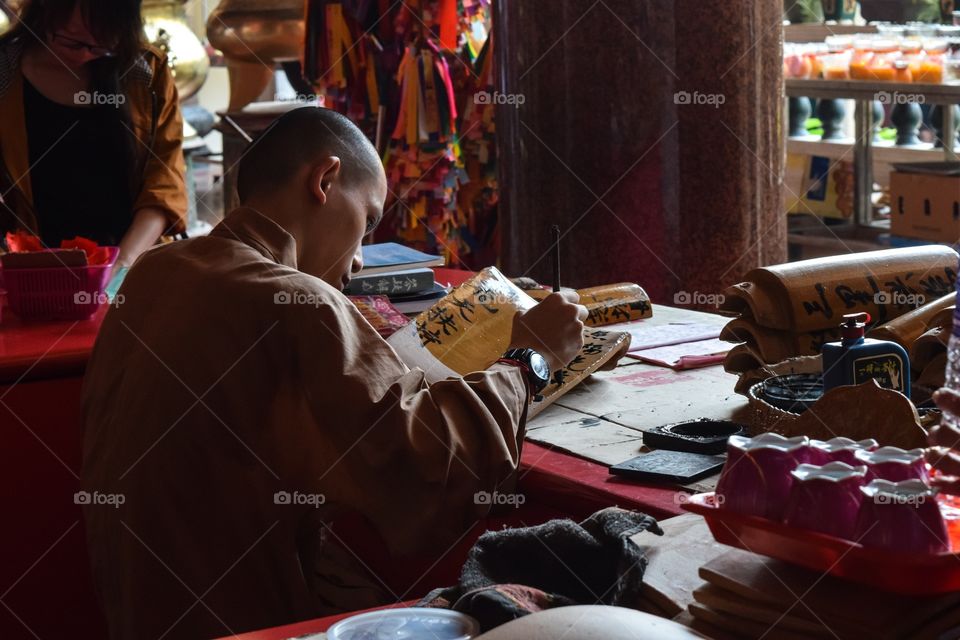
228,395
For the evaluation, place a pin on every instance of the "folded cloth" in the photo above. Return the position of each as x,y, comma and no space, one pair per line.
513,572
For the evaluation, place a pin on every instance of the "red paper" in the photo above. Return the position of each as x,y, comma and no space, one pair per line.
95,253
378,311
23,242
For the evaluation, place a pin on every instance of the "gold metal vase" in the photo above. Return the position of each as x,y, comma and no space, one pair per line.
166,27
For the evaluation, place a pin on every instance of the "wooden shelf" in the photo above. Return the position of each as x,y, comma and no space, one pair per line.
818,31
836,238
866,90
883,152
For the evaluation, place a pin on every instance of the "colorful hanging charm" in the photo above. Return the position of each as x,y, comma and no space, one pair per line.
474,25
386,66
423,158
340,64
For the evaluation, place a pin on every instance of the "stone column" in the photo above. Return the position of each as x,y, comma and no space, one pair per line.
651,132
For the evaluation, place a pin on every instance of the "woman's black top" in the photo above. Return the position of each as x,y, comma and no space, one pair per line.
78,170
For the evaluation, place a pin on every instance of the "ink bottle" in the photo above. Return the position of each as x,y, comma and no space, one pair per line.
855,359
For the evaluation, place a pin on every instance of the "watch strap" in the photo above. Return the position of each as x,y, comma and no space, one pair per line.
522,357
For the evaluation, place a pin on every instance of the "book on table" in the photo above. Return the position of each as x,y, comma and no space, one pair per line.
415,303
387,257
400,273
405,282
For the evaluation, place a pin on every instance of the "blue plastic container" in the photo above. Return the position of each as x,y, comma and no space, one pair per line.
856,359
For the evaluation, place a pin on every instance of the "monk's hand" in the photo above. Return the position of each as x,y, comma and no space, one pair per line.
948,400
946,435
553,328
944,453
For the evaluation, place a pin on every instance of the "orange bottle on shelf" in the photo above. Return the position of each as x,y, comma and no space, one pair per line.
882,73
836,72
931,70
816,65
836,63
885,54
862,55
902,71
911,51
931,67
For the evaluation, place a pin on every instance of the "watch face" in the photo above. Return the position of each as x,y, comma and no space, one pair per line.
539,366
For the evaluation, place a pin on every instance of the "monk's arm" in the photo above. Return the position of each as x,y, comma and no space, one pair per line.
422,461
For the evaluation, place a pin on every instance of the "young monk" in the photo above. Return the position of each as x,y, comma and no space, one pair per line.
205,400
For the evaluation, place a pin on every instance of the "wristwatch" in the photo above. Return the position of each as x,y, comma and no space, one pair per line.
535,366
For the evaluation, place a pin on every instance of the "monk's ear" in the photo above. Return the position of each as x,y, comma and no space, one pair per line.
323,177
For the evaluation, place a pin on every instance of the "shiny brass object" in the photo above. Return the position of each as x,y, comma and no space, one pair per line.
257,31
165,25
253,35
8,12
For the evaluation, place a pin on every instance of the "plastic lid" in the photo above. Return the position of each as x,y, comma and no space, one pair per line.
885,45
769,440
832,472
406,624
841,444
890,454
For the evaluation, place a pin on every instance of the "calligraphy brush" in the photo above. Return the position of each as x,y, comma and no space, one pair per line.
555,232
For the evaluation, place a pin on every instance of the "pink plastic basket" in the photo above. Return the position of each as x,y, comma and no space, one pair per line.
58,293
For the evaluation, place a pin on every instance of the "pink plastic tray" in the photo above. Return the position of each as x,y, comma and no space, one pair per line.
57,293
907,573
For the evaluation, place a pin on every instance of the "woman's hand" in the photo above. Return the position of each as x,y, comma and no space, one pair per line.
944,451
147,226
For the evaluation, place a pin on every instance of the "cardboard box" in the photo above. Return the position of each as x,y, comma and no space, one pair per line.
819,185
925,203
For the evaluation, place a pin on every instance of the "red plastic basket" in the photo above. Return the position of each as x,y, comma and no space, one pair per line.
58,293
906,573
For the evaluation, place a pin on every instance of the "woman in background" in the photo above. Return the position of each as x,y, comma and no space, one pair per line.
90,128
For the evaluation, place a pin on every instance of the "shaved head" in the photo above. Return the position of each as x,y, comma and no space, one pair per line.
301,137
316,175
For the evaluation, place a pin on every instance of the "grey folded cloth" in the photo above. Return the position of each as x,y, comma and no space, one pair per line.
514,572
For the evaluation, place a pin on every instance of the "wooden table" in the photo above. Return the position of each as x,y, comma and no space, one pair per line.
45,580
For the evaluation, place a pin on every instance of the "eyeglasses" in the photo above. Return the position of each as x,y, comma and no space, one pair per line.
77,45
